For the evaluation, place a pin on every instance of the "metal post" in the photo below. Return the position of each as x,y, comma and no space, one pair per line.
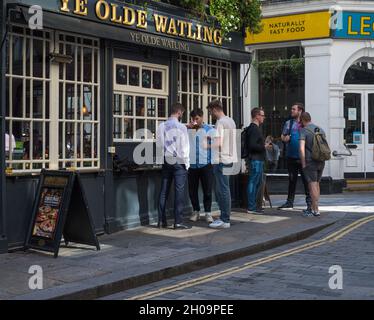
3,236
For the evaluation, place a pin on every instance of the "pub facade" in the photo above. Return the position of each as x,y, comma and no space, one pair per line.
76,91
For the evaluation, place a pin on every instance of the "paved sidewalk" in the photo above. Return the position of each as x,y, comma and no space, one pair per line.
133,258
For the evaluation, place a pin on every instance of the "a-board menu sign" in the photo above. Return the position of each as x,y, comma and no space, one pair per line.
60,210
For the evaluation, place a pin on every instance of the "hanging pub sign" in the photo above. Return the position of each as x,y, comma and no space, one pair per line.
60,210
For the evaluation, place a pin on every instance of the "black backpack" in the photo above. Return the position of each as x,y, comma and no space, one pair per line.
244,143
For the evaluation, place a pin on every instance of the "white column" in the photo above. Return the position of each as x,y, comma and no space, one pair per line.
321,102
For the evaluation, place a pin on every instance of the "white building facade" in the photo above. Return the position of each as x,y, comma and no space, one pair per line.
336,41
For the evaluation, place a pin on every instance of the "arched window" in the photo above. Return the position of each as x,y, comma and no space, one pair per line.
361,72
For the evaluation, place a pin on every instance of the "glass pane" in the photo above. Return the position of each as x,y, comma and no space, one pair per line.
87,140
117,130
21,133
360,73
87,103
121,74
87,68
162,110
70,67
157,80
352,115
140,125
184,76
147,78
140,107
18,43
196,79
38,59
17,96
70,101
151,107
128,128
37,140
38,99
224,83
29,98
129,102
151,127
371,118
69,141
134,76
117,104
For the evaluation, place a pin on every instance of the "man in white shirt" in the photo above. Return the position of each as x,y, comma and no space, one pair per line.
224,146
173,140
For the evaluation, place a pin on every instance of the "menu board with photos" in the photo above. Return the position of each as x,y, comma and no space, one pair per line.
60,205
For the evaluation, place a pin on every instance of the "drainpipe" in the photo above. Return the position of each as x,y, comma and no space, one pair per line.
242,96
3,35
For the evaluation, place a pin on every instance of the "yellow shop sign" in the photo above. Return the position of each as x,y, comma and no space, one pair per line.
304,26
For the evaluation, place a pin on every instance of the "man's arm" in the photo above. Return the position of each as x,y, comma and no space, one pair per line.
286,132
302,153
253,142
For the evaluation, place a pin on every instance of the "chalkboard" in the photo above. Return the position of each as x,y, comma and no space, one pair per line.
60,209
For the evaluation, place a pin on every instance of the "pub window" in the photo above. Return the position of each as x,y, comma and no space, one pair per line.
281,74
202,80
27,100
140,100
52,110
361,72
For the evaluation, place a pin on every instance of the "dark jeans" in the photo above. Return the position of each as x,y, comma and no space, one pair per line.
222,190
254,183
205,175
178,173
294,168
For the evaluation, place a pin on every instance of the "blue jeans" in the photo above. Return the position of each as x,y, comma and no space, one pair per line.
178,173
222,190
254,182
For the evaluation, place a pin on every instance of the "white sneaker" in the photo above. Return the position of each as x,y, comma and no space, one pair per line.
219,224
208,217
195,216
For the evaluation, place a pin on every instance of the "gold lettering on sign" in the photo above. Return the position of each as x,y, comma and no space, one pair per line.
81,7
129,16
161,23
115,17
182,27
208,34
142,19
64,6
218,37
198,32
172,28
190,35
101,4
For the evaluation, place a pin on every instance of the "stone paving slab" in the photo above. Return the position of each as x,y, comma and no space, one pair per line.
136,257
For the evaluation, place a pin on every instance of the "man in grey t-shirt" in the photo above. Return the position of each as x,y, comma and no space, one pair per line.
313,170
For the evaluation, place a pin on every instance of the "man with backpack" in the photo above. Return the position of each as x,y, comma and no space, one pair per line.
314,151
290,136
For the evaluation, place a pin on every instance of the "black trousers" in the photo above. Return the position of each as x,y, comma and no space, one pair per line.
294,168
205,175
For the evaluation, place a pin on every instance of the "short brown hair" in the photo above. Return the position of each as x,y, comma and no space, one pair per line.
300,106
305,116
215,104
176,107
255,112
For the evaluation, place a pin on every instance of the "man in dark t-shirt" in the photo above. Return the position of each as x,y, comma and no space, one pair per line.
291,136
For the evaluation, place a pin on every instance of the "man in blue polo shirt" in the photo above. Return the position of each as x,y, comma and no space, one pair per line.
291,136
201,168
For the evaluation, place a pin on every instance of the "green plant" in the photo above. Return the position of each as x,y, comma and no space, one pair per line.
230,15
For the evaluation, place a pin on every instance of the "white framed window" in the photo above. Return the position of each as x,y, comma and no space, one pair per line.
52,110
201,80
28,80
79,103
140,100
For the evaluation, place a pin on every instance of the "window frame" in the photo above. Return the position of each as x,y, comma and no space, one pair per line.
135,92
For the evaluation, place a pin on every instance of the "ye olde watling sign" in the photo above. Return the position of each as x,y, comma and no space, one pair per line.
125,16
